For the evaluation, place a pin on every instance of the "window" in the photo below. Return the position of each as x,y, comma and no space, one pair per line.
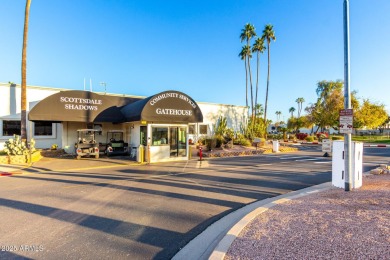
11,128
203,129
159,135
191,129
43,128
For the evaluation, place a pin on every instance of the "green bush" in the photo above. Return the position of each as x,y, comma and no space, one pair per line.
337,137
219,140
275,136
245,142
238,139
211,143
309,138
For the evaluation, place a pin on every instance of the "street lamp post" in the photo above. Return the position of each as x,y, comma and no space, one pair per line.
347,100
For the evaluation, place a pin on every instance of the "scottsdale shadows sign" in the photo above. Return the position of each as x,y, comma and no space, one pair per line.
77,106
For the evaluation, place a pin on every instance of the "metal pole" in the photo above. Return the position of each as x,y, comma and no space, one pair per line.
347,99
104,84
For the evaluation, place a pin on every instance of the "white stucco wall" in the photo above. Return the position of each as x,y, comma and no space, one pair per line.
236,115
10,109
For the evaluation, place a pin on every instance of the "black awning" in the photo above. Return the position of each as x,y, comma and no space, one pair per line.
165,107
79,106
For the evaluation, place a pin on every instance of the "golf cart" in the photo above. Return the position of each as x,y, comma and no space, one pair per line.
86,144
115,144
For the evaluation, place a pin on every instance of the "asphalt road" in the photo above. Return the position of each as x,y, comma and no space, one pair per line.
142,212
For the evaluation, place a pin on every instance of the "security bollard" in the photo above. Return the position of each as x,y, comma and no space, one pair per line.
200,154
140,154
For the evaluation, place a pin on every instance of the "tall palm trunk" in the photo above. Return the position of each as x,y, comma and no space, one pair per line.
23,123
251,85
257,80
266,92
250,76
246,83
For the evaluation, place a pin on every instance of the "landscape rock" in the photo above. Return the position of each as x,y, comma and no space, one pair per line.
376,171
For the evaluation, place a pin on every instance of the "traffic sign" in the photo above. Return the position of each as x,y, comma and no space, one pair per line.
326,145
346,121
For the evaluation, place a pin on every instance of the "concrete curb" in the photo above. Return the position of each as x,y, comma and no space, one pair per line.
214,242
224,245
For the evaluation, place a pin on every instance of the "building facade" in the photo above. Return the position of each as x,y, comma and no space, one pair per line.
165,123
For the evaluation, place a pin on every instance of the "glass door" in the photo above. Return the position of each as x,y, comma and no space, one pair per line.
178,141
143,134
173,141
182,141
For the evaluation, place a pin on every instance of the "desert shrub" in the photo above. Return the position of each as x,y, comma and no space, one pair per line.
15,146
219,140
322,135
309,138
238,138
245,142
211,143
201,141
275,136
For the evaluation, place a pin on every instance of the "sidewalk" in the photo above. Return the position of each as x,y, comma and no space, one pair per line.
65,164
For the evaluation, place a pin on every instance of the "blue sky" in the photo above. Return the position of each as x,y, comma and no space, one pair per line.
145,47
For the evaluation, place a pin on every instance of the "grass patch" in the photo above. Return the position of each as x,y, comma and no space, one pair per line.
372,139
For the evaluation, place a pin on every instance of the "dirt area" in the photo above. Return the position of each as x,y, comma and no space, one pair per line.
57,153
333,224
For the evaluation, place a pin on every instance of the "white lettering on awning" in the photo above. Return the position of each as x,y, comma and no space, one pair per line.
173,112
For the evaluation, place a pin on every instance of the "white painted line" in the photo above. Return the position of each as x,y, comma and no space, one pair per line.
324,162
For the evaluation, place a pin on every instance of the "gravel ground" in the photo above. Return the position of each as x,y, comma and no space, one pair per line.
333,224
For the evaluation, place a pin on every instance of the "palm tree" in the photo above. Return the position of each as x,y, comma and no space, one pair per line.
292,110
259,110
258,47
300,102
246,35
23,101
268,34
278,113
